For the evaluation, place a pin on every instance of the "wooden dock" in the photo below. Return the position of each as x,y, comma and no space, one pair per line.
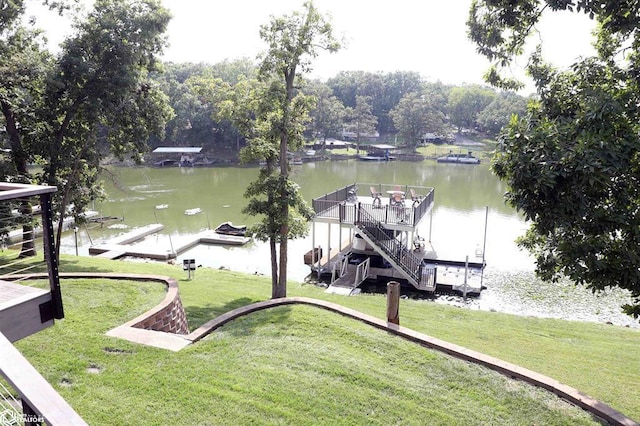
328,259
119,246
343,285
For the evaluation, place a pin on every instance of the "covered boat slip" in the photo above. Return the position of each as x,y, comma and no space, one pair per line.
383,228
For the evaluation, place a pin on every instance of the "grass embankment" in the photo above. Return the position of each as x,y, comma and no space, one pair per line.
302,365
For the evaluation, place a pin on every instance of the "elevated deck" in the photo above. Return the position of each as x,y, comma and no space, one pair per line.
386,223
397,207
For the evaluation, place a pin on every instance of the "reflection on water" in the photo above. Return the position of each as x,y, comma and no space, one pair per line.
456,228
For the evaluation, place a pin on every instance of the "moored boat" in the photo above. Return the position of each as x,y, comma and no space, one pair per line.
459,158
227,228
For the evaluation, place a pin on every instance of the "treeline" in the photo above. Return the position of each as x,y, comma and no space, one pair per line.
399,106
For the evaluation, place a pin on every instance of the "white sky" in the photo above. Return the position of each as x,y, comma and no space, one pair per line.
425,36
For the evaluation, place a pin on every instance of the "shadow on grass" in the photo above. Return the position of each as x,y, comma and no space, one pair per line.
199,315
11,263
68,265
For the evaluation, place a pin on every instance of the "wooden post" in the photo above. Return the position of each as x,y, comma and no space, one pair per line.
393,302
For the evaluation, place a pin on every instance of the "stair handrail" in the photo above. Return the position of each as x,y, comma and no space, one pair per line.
398,252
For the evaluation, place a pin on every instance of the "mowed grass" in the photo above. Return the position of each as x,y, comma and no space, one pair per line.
303,365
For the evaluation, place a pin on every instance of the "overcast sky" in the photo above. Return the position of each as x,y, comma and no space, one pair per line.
407,35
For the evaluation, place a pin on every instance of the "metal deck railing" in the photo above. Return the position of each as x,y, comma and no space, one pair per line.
398,253
339,206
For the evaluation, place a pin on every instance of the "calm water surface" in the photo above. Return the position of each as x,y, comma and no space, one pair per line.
456,229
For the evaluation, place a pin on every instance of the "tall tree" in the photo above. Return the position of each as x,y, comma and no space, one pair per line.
23,68
99,98
327,118
572,162
466,102
360,120
293,41
498,113
414,116
24,65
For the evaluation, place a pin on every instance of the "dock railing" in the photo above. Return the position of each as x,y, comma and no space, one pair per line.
397,252
337,206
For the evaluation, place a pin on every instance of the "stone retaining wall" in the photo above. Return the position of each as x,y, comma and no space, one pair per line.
168,316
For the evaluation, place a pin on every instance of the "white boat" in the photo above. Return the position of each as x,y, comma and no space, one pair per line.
191,212
459,158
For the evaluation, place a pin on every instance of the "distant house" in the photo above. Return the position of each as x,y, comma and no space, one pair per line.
352,136
436,138
332,144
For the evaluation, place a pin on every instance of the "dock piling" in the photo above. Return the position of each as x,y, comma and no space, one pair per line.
393,302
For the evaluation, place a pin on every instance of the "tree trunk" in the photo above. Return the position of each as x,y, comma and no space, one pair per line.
281,290
274,268
19,158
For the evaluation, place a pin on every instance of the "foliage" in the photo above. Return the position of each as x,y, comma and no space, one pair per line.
466,102
271,112
195,122
572,162
327,118
498,113
384,89
414,116
360,120
98,98
23,71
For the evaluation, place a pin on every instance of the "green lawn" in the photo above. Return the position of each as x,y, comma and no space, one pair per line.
303,365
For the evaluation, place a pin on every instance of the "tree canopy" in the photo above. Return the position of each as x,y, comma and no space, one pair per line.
93,99
416,115
572,162
271,111
466,102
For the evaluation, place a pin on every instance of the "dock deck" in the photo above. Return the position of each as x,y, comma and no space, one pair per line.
120,246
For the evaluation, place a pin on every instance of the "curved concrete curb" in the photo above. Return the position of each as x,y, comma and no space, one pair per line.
595,407
152,328
176,342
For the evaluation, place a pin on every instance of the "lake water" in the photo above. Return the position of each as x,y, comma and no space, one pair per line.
465,195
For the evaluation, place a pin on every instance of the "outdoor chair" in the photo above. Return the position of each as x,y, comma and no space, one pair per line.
374,192
397,199
377,202
415,197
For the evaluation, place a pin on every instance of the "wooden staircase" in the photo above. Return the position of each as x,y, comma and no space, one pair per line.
402,258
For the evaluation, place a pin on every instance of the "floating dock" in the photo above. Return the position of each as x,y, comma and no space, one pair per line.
121,246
